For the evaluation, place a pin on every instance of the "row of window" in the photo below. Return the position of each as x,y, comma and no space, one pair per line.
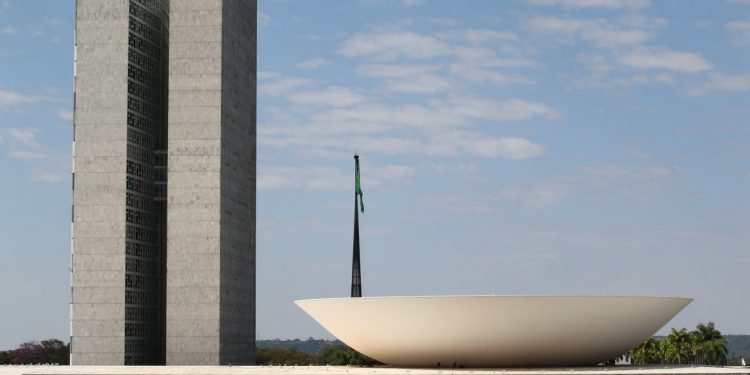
141,92
139,186
141,108
148,33
140,218
139,138
138,329
145,250
149,18
140,282
140,154
141,266
140,122
139,234
140,202
148,64
141,170
134,41
139,313
139,74
140,298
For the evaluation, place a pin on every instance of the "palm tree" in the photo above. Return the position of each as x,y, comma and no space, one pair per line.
646,353
678,345
712,346
704,346
696,348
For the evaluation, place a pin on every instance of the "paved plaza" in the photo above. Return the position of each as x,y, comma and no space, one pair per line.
343,370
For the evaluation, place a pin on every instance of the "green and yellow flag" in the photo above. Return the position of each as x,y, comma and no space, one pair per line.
358,189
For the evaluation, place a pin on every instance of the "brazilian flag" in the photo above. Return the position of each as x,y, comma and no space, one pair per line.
358,189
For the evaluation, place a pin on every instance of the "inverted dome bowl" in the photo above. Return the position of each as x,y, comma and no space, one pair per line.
493,331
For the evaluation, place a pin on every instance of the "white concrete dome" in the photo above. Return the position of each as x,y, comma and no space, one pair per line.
493,331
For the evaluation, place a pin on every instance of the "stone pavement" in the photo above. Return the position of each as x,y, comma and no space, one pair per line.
343,370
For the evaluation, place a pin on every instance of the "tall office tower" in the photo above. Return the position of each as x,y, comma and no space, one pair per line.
211,192
163,237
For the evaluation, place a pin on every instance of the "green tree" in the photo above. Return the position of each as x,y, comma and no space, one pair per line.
341,355
646,353
4,358
712,345
281,356
677,346
57,352
704,346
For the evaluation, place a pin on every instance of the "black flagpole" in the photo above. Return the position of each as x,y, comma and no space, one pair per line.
356,272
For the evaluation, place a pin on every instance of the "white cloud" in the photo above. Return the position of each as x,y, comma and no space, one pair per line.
454,203
456,168
26,154
504,147
316,177
394,70
65,114
501,111
659,58
608,4
512,62
407,78
264,19
282,85
329,97
720,82
314,63
393,171
268,75
420,84
23,136
10,98
8,30
479,75
590,181
536,197
23,144
444,21
741,30
302,177
411,3
391,45
629,172
600,32
482,36
49,176
603,73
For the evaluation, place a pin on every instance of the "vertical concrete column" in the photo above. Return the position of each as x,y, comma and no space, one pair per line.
100,153
211,183
194,183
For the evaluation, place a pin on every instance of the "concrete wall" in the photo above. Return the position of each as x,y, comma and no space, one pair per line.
98,246
193,182
211,186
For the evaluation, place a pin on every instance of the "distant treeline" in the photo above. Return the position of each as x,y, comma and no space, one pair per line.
310,345
286,352
738,347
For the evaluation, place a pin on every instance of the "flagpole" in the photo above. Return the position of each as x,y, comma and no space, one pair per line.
356,271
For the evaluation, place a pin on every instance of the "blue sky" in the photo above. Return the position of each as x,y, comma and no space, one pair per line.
531,147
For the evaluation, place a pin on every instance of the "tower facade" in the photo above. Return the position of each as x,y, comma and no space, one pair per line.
163,234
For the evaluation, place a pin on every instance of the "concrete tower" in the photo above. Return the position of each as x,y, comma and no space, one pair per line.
163,237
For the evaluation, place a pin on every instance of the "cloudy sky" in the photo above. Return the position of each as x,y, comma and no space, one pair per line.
531,147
